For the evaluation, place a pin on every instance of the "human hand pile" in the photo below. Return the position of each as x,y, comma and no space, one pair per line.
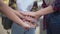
29,19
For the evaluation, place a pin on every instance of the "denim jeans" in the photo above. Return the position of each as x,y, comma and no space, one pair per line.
16,29
53,23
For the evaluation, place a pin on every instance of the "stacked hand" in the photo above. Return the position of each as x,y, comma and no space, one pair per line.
29,19
33,15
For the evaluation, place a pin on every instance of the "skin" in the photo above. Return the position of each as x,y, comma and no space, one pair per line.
39,13
13,15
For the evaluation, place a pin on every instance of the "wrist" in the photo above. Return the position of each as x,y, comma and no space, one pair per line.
37,14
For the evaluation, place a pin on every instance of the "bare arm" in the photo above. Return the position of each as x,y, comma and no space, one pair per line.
11,15
45,11
55,6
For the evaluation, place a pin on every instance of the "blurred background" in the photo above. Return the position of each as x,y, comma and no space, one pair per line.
4,21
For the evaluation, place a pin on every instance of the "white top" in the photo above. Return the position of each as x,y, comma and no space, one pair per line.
24,5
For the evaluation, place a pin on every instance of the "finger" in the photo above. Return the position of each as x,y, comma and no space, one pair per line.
19,15
27,14
30,19
32,16
27,25
32,26
24,13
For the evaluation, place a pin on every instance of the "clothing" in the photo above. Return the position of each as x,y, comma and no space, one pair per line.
26,6
52,20
44,18
23,5
6,1
49,2
12,4
56,5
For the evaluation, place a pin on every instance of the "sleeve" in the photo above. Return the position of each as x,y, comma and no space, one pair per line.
56,5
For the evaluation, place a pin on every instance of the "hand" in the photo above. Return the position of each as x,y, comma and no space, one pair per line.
32,22
31,14
26,25
30,19
19,14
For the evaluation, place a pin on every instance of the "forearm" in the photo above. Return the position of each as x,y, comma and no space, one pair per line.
45,11
9,13
18,14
